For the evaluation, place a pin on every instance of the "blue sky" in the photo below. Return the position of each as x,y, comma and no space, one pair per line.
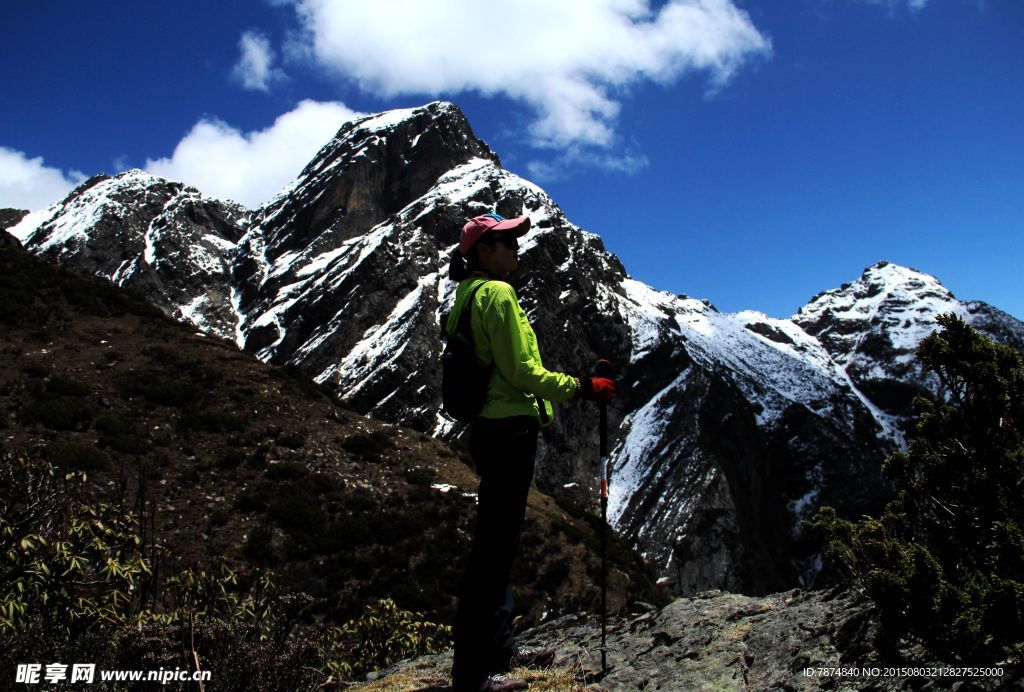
751,153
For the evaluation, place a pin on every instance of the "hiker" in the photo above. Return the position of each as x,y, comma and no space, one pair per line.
503,444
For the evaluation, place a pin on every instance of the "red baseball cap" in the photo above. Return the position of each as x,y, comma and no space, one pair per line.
490,223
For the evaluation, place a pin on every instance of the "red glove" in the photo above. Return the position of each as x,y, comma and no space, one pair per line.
600,389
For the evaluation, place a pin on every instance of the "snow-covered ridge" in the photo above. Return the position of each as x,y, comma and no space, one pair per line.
902,301
142,231
872,326
390,119
773,373
70,219
344,275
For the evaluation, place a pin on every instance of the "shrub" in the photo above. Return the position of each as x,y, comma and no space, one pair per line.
36,371
256,498
369,446
326,485
211,422
231,458
109,424
170,393
62,385
258,458
300,380
161,354
383,635
287,471
61,413
120,434
72,573
66,564
945,561
219,517
234,652
16,304
295,439
297,511
72,455
553,576
421,475
258,547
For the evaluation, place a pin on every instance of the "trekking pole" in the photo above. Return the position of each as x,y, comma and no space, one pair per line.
603,368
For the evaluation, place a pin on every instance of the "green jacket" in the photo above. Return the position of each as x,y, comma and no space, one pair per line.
502,335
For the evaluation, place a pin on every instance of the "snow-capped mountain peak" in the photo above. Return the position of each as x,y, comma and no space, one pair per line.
728,429
161,238
871,327
904,302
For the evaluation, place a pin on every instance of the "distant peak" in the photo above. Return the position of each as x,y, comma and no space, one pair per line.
882,281
388,120
897,273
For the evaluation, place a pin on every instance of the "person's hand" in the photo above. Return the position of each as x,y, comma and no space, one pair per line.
599,389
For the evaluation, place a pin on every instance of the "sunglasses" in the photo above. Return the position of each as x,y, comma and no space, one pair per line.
509,241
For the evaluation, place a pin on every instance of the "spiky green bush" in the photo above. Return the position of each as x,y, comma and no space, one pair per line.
385,634
945,561
66,565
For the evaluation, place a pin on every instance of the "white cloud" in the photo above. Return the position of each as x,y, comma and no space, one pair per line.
893,5
575,157
252,167
255,68
29,184
571,61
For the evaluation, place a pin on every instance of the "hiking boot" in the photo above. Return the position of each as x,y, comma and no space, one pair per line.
502,683
533,658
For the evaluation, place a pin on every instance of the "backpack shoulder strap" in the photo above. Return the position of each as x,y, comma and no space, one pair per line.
464,328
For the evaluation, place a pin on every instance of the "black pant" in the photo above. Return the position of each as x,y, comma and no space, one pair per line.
503,450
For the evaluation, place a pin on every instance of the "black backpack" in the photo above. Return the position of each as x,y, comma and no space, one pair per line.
464,381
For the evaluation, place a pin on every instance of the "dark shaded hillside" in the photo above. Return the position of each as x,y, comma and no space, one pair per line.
224,456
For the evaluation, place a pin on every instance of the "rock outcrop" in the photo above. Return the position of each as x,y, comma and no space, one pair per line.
795,640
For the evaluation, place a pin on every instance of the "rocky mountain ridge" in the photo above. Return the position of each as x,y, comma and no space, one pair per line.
728,431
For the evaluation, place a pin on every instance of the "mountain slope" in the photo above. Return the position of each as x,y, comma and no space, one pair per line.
729,429
222,456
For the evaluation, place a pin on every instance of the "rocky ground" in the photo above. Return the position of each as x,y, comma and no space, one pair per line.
714,641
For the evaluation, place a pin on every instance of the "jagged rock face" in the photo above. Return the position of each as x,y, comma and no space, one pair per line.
998,325
359,303
728,429
160,238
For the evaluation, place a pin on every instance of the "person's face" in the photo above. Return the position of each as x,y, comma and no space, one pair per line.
499,255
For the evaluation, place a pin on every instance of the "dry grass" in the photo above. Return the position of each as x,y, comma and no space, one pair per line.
408,681
565,679
552,679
